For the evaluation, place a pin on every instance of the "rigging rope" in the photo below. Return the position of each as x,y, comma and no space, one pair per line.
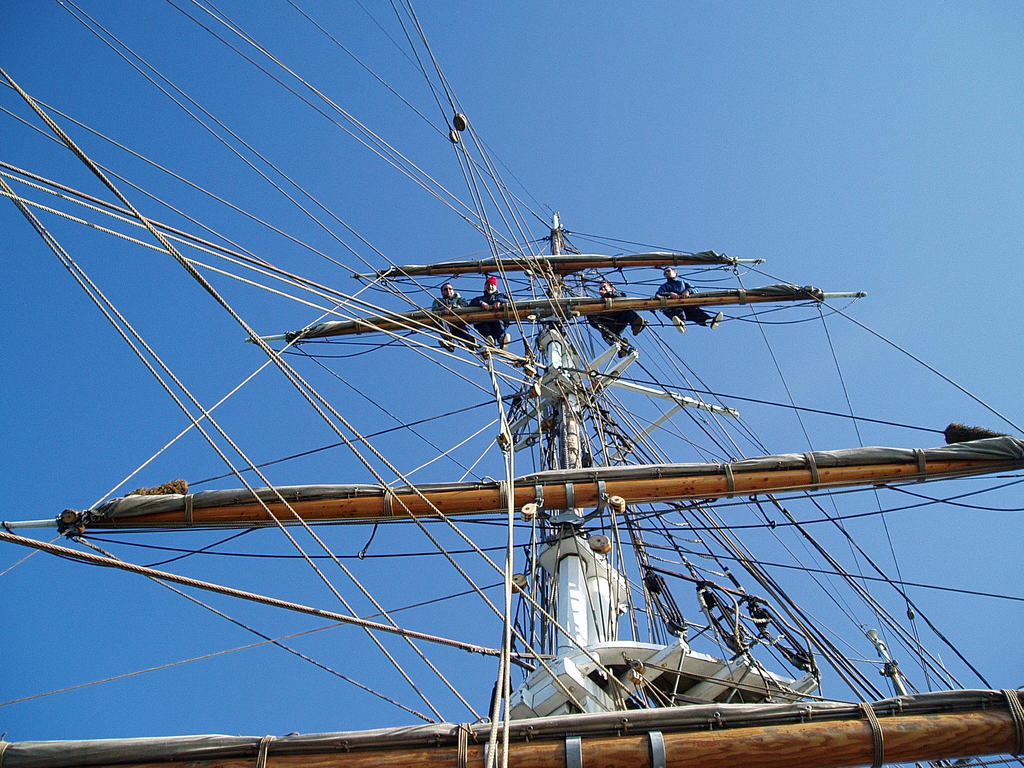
359,132
232,133
502,702
247,628
878,501
244,595
33,553
279,639
276,359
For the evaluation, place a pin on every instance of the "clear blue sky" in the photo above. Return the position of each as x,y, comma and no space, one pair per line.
870,146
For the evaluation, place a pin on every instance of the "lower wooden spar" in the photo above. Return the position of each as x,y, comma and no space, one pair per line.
829,744
401,503
814,734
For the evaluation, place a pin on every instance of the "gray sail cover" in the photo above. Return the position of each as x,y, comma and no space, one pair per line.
64,754
995,449
558,261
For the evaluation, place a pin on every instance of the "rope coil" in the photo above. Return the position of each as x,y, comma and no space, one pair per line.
463,745
1017,715
388,501
812,465
878,744
503,494
730,480
264,748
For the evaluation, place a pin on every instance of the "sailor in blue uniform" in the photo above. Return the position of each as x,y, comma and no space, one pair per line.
674,288
448,322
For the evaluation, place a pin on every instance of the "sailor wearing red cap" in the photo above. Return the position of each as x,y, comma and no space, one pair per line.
493,331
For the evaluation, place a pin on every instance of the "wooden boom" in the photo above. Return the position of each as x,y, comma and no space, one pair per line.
809,745
561,489
532,309
821,735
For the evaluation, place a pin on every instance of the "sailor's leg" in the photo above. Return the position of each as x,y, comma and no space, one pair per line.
617,322
603,326
696,315
444,330
675,314
466,337
487,331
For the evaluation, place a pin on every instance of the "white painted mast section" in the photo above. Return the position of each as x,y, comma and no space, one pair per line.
588,590
572,609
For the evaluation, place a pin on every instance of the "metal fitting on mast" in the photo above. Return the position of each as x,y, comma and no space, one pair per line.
891,668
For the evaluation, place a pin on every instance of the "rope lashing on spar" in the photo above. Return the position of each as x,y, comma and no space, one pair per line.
1017,715
878,743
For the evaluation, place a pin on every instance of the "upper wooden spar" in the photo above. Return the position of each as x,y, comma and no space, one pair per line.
563,263
532,309
561,489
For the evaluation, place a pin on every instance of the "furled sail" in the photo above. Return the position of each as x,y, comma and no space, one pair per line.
562,489
563,263
541,308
